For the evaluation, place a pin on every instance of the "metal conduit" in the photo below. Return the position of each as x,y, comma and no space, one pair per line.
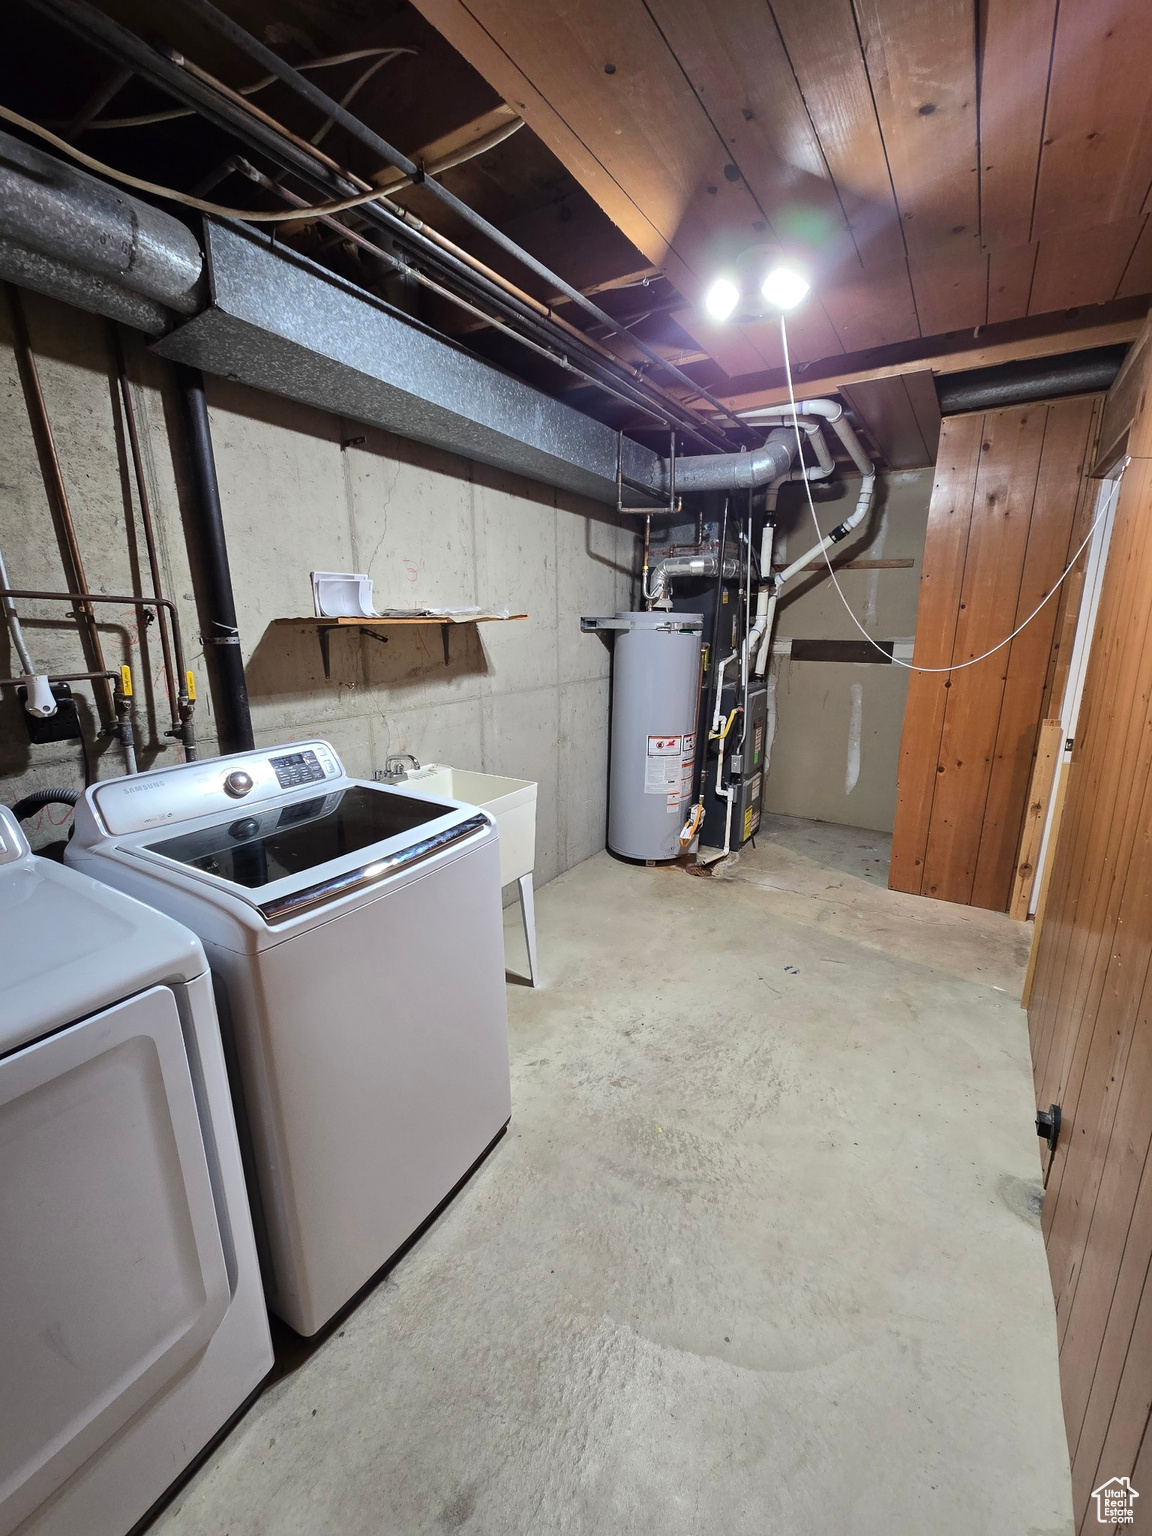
353,125
239,117
58,495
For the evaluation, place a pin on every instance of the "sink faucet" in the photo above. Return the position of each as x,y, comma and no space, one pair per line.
394,769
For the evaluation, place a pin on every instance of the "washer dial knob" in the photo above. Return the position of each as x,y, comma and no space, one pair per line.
237,783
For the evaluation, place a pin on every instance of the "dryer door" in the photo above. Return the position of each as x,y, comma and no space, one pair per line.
112,1275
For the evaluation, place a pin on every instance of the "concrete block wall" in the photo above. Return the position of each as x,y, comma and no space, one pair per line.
303,490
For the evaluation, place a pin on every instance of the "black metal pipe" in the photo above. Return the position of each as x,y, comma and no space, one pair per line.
312,93
221,637
319,172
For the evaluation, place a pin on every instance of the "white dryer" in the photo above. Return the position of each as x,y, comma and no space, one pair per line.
132,1322
355,933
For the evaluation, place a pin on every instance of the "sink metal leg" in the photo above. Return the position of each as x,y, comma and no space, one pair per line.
528,913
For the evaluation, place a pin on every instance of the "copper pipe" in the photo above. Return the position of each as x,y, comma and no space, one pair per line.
177,689
243,168
109,597
58,493
61,677
544,311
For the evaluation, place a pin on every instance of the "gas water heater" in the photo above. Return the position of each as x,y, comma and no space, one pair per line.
655,694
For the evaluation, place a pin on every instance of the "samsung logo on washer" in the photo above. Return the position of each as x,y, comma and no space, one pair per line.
136,789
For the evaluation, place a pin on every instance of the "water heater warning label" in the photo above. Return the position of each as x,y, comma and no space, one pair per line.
665,746
662,775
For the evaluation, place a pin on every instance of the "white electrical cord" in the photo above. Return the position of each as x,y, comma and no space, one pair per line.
956,666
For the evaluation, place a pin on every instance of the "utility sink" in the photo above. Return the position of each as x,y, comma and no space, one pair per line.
511,801
512,804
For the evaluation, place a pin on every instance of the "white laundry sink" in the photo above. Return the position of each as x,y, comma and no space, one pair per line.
511,801
512,804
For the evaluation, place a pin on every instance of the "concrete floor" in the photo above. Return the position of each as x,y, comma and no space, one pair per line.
759,1254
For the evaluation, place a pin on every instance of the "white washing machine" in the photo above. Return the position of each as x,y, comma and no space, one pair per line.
132,1320
355,933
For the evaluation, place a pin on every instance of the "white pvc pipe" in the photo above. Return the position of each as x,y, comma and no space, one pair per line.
830,411
857,516
40,700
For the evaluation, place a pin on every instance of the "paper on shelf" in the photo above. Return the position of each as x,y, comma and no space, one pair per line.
342,595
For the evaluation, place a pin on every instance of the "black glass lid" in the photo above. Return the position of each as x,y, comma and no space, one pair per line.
257,849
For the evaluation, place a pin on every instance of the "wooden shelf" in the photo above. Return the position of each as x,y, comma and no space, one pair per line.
446,621
415,618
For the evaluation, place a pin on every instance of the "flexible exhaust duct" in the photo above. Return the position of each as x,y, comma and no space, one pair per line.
694,566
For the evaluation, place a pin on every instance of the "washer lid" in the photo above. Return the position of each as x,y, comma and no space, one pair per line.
70,946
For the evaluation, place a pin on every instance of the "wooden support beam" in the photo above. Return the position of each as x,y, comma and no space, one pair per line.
451,143
1045,336
1049,748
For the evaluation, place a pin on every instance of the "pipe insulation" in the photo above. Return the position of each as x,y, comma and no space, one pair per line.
280,323
221,634
1039,378
67,219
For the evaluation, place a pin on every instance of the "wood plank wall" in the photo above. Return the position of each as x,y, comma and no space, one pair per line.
1091,1025
1008,509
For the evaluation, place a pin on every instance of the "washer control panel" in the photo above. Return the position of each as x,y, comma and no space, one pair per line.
215,784
298,768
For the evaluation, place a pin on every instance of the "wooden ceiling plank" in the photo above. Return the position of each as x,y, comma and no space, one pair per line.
885,412
1016,50
741,74
1015,341
1009,281
1137,276
874,304
920,388
922,68
1096,161
482,49
951,284
1082,266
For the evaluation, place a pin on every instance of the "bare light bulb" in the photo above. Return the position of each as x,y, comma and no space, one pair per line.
722,298
784,288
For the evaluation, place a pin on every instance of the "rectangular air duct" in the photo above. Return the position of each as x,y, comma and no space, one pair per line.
280,323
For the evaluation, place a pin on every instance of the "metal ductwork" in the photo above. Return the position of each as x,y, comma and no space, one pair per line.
278,322
1039,378
70,235
281,323
734,471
